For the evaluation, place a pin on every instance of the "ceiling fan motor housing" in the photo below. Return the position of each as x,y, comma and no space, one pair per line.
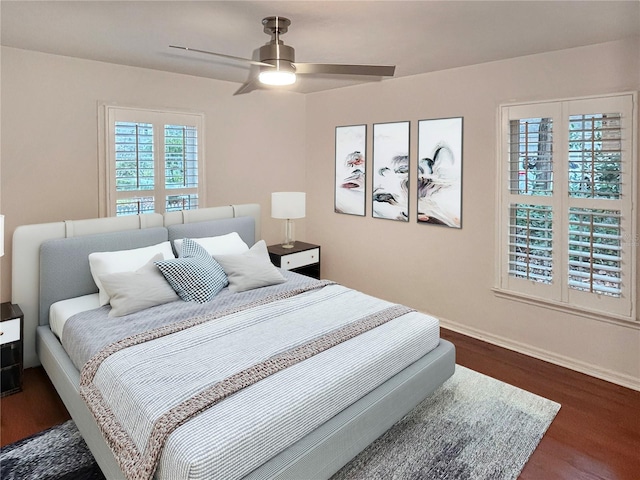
278,55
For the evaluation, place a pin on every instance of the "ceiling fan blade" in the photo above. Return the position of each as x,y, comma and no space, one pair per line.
338,69
250,86
230,57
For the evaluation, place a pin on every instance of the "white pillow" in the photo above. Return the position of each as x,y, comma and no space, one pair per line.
102,263
130,292
249,270
229,244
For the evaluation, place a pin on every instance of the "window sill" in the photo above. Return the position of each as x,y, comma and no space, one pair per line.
620,320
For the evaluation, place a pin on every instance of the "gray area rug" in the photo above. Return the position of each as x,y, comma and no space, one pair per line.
473,427
58,453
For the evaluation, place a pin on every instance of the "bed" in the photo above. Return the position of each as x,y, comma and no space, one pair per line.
221,391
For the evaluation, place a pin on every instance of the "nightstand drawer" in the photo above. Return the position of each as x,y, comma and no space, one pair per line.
300,259
10,331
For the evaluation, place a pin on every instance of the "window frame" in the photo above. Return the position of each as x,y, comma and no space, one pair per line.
158,117
558,295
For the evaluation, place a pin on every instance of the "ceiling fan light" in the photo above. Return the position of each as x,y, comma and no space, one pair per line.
277,77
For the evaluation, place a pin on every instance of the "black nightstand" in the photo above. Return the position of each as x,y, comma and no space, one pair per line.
303,258
11,334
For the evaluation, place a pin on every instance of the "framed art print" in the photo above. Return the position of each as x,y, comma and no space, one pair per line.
350,180
390,196
440,172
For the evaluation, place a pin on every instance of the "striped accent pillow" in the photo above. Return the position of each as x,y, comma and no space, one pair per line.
195,275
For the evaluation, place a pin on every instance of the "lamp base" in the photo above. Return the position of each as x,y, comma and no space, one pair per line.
289,241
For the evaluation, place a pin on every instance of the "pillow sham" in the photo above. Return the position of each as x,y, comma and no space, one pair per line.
249,270
229,244
102,263
130,292
195,275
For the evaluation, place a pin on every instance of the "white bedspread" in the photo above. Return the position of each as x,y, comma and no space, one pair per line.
238,434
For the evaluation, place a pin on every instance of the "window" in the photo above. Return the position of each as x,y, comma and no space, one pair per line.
566,227
153,161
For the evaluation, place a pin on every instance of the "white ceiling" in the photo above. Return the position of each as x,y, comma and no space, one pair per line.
417,36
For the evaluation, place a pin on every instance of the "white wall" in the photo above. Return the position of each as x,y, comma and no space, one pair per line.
450,272
49,119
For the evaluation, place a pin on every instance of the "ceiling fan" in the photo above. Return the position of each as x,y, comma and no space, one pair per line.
278,65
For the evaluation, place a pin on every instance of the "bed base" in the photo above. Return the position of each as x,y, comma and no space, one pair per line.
316,456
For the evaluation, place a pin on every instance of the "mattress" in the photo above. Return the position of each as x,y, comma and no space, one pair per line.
63,310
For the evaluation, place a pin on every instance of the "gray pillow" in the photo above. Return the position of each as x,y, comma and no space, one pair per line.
131,292
249,270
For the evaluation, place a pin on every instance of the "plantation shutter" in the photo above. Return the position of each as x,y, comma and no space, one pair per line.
153,161
599,217
595,251
532,251
181,167
566,217
530,242
134,167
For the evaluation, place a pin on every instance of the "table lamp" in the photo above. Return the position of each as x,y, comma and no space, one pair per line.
287,206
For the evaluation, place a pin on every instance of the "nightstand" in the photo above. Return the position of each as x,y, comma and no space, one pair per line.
303,258
11,333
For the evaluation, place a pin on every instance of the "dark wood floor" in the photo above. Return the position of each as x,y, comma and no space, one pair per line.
596,434
32,410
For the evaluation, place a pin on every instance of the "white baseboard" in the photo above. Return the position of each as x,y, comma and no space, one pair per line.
593,370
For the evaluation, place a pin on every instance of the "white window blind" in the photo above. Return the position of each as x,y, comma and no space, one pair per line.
595,247
134,166
566,204
531,156
530,242
181,167
595,156
153,161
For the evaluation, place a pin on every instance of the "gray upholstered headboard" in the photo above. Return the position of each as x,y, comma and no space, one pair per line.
64,262
245,226
68,258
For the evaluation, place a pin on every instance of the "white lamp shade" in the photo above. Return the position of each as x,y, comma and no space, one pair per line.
288,204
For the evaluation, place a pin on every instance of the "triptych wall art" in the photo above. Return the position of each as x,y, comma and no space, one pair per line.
439,171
